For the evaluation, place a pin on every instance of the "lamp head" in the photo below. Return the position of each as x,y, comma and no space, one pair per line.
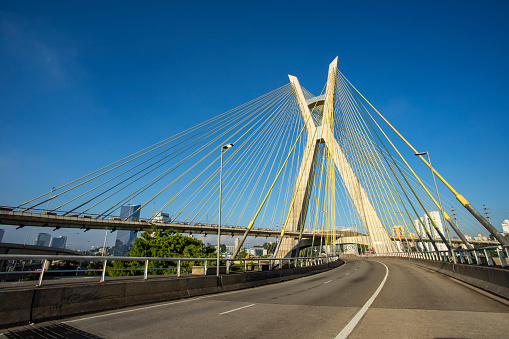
227,146
421,153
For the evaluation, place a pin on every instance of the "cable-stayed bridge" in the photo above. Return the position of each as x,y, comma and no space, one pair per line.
313,171
320,166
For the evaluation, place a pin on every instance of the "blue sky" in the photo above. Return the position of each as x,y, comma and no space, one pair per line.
84,84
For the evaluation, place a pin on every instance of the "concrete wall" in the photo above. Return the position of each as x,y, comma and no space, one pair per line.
37,304
491,279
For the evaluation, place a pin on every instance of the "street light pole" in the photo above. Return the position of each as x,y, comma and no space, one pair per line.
104,244
436,189
47,205
439,204
225,147
449,245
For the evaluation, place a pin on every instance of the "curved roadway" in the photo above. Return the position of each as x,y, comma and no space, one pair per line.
413,303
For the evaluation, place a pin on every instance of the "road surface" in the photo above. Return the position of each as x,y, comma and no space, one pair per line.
361,299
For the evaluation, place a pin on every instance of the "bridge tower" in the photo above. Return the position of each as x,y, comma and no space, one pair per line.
324,134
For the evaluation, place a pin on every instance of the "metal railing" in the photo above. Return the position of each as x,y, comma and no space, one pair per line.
203,264
473,256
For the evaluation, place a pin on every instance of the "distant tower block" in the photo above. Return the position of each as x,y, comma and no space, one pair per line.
324,134
42,239
125,239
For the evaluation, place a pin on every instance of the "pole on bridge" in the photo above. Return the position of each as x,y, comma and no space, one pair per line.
439,205
224,148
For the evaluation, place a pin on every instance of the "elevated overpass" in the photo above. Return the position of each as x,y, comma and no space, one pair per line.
88,222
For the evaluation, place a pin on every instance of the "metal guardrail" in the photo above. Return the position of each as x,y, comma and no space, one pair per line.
273,263
474,256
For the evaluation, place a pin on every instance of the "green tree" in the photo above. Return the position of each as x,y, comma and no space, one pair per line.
163,244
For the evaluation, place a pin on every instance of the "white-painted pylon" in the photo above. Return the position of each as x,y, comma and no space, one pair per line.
325,134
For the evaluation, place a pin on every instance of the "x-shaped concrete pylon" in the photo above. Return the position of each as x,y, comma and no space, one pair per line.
325,134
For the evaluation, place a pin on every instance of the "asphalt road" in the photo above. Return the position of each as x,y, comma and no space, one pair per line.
412,303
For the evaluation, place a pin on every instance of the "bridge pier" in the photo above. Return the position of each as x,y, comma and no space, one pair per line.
379,238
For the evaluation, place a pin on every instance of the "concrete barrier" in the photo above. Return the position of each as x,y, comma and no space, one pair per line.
491,279
15,306
36,304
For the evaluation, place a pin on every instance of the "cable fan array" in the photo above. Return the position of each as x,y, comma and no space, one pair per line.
180,176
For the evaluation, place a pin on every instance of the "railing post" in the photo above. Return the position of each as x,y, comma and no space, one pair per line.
259,268
145,276
42,272
103,277
205,267
178,268
227,267
501,256
469,258
477,258
245,265
462,257
280,264
488,257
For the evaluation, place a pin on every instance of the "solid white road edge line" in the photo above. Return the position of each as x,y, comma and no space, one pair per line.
236,309
345,332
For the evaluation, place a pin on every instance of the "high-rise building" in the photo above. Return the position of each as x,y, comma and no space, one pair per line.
130,212
425,226
2,232
125,239
58,242
161,217
42,239
505,226
398,231
237,244
257,251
